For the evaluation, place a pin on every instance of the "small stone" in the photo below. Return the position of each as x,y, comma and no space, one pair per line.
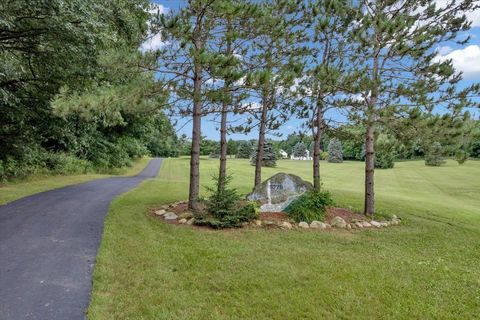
395,221
190,221
353,226
394,217
338,222
185,215
170,216
286,225
303,224
349,226
258,222
375,224
327,225
182,221
160,212
365,224
384,223
317,225
165,206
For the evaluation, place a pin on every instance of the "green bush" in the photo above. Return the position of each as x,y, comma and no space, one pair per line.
62,163
335,152
309,206
461,156
434,157
224,208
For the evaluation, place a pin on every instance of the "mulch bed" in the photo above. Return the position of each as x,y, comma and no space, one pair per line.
269,218
347,215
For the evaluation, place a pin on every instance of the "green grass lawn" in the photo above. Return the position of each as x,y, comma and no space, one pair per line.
35,184
428,268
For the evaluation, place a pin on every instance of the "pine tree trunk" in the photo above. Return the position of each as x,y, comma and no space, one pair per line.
369,208
223,147
261,143
316,147
196,136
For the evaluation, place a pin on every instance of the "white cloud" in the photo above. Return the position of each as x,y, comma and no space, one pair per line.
466,60
473,16
154,41
253,105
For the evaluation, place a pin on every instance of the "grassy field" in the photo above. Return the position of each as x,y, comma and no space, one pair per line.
35,184
427,268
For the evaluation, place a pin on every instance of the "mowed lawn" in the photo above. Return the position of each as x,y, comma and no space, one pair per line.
428,268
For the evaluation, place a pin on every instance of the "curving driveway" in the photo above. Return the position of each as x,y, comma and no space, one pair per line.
48,245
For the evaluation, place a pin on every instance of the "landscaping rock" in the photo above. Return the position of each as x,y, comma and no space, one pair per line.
286,225
160,212
317,225
185,215
338,222
359,224
258,222
327,225
365,224
349,226
277,192
190,221
375,224
303,224
170,216
182,221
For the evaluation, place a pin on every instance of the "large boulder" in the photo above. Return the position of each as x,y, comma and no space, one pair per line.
277,192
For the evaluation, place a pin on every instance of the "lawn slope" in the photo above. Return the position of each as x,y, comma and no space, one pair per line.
427,268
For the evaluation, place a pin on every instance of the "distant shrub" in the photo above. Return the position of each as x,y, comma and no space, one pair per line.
335,152
434,156
62,163
269,157
324,155
461,156
309,206
384,152
244,150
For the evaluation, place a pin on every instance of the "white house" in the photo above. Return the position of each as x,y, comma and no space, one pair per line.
283,154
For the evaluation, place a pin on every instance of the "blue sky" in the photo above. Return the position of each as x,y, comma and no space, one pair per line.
465,59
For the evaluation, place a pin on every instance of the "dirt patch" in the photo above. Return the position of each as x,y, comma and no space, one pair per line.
347,215
273,216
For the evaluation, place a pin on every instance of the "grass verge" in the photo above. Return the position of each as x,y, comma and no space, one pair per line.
34,184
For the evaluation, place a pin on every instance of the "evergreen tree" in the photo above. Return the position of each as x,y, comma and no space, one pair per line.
274,58
300,150
245,150
461,156
434,157
269,157
385,152
335,153
397,70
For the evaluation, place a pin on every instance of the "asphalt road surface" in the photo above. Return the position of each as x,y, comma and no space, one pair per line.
48,245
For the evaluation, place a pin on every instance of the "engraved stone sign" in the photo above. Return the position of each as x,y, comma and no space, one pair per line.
276,193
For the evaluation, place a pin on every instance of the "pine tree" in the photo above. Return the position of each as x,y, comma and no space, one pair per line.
335,153
245,150
274,58
300,150
319,89
434,157
269,157
394,57
385,152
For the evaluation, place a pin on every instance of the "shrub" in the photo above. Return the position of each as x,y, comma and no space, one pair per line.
62,163
384,152
434,156
335,153
224,208
244,150
300,150
461,156
309,206
269,156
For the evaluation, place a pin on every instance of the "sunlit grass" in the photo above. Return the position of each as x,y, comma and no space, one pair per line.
424,269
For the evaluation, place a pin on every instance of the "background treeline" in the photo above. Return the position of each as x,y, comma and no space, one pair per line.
72,97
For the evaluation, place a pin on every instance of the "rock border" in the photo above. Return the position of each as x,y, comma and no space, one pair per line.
165,212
